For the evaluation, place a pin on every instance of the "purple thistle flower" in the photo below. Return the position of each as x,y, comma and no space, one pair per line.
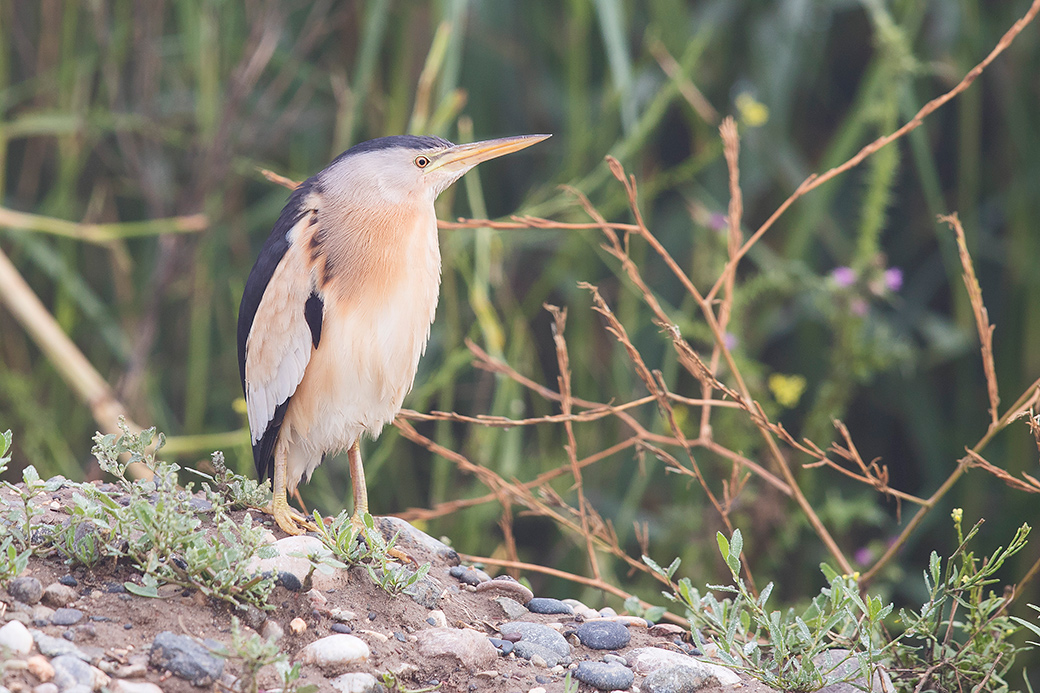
844,276
894,279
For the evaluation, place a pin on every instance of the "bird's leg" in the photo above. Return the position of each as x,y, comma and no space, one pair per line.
357,482
288,519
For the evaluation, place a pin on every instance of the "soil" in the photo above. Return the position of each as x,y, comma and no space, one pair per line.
118,627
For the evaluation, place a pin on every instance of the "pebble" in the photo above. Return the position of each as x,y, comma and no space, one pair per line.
66,617
271,630
46,688
538,654
119,686
41,615
341,628
510,587
288,581
25,589
68,580
646,660
342,615
603,635
58,595
471,649
662,630
40,667
605,676
675,679
607,612
299,565
186,658
55,647
335,652
297,625
537,634
512,608
437,618
547,605
16,638
617,659
355,683
468,576
70,671
504,647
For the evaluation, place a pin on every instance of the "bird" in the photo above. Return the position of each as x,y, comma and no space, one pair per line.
336,311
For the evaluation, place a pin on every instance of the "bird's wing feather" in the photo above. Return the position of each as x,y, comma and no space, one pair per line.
279,324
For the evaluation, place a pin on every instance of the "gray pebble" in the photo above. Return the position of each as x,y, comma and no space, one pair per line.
470,577
603,635
547,605
58,595
44,688
185,658
66,616
504,647
538,654
68,581
676,679
537,634
55,647
341,628
25,589
71,671
512,608
617,659
289,581
605,676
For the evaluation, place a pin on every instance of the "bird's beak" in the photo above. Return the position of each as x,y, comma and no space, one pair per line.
463,157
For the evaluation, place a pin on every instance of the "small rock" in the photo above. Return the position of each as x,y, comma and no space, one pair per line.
512,608
46,688
662,630
70,671
120,686
617,659
676,679
355,683
580,609
25,589
341,628
251,616
41,615
603,635
186,658
646,660
288,581
469,577
66,617
508,587
546,605
318,601
58,595
607,612
504,647
297,625
471,649
68,581
55,647
411,541
437,618
271,630
342,615
298,565
605,676
40,667
16,639
538,654
539,635
335,652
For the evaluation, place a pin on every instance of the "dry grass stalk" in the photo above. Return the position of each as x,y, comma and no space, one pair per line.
971,282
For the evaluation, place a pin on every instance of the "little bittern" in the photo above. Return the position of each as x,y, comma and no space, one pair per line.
337,309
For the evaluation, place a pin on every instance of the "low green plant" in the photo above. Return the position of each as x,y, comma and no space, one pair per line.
239,491
21,519
254,653
367,547
155,525
392,685
782,649
960,638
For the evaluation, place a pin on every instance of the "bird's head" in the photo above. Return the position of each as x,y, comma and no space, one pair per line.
408,169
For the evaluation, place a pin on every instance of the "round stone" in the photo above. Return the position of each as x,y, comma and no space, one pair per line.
546,605
25,589
71,671
66,616
537,634
675,679
604,676
603,635
504,647
335,652
16,638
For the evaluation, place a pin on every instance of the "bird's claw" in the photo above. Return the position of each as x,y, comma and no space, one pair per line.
289,520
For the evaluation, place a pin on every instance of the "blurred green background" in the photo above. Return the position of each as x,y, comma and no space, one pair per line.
121,111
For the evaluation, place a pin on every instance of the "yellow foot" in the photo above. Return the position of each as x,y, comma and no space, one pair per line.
288,519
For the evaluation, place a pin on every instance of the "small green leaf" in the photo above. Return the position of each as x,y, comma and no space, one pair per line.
142,590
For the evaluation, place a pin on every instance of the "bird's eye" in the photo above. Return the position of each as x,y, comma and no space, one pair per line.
422,161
